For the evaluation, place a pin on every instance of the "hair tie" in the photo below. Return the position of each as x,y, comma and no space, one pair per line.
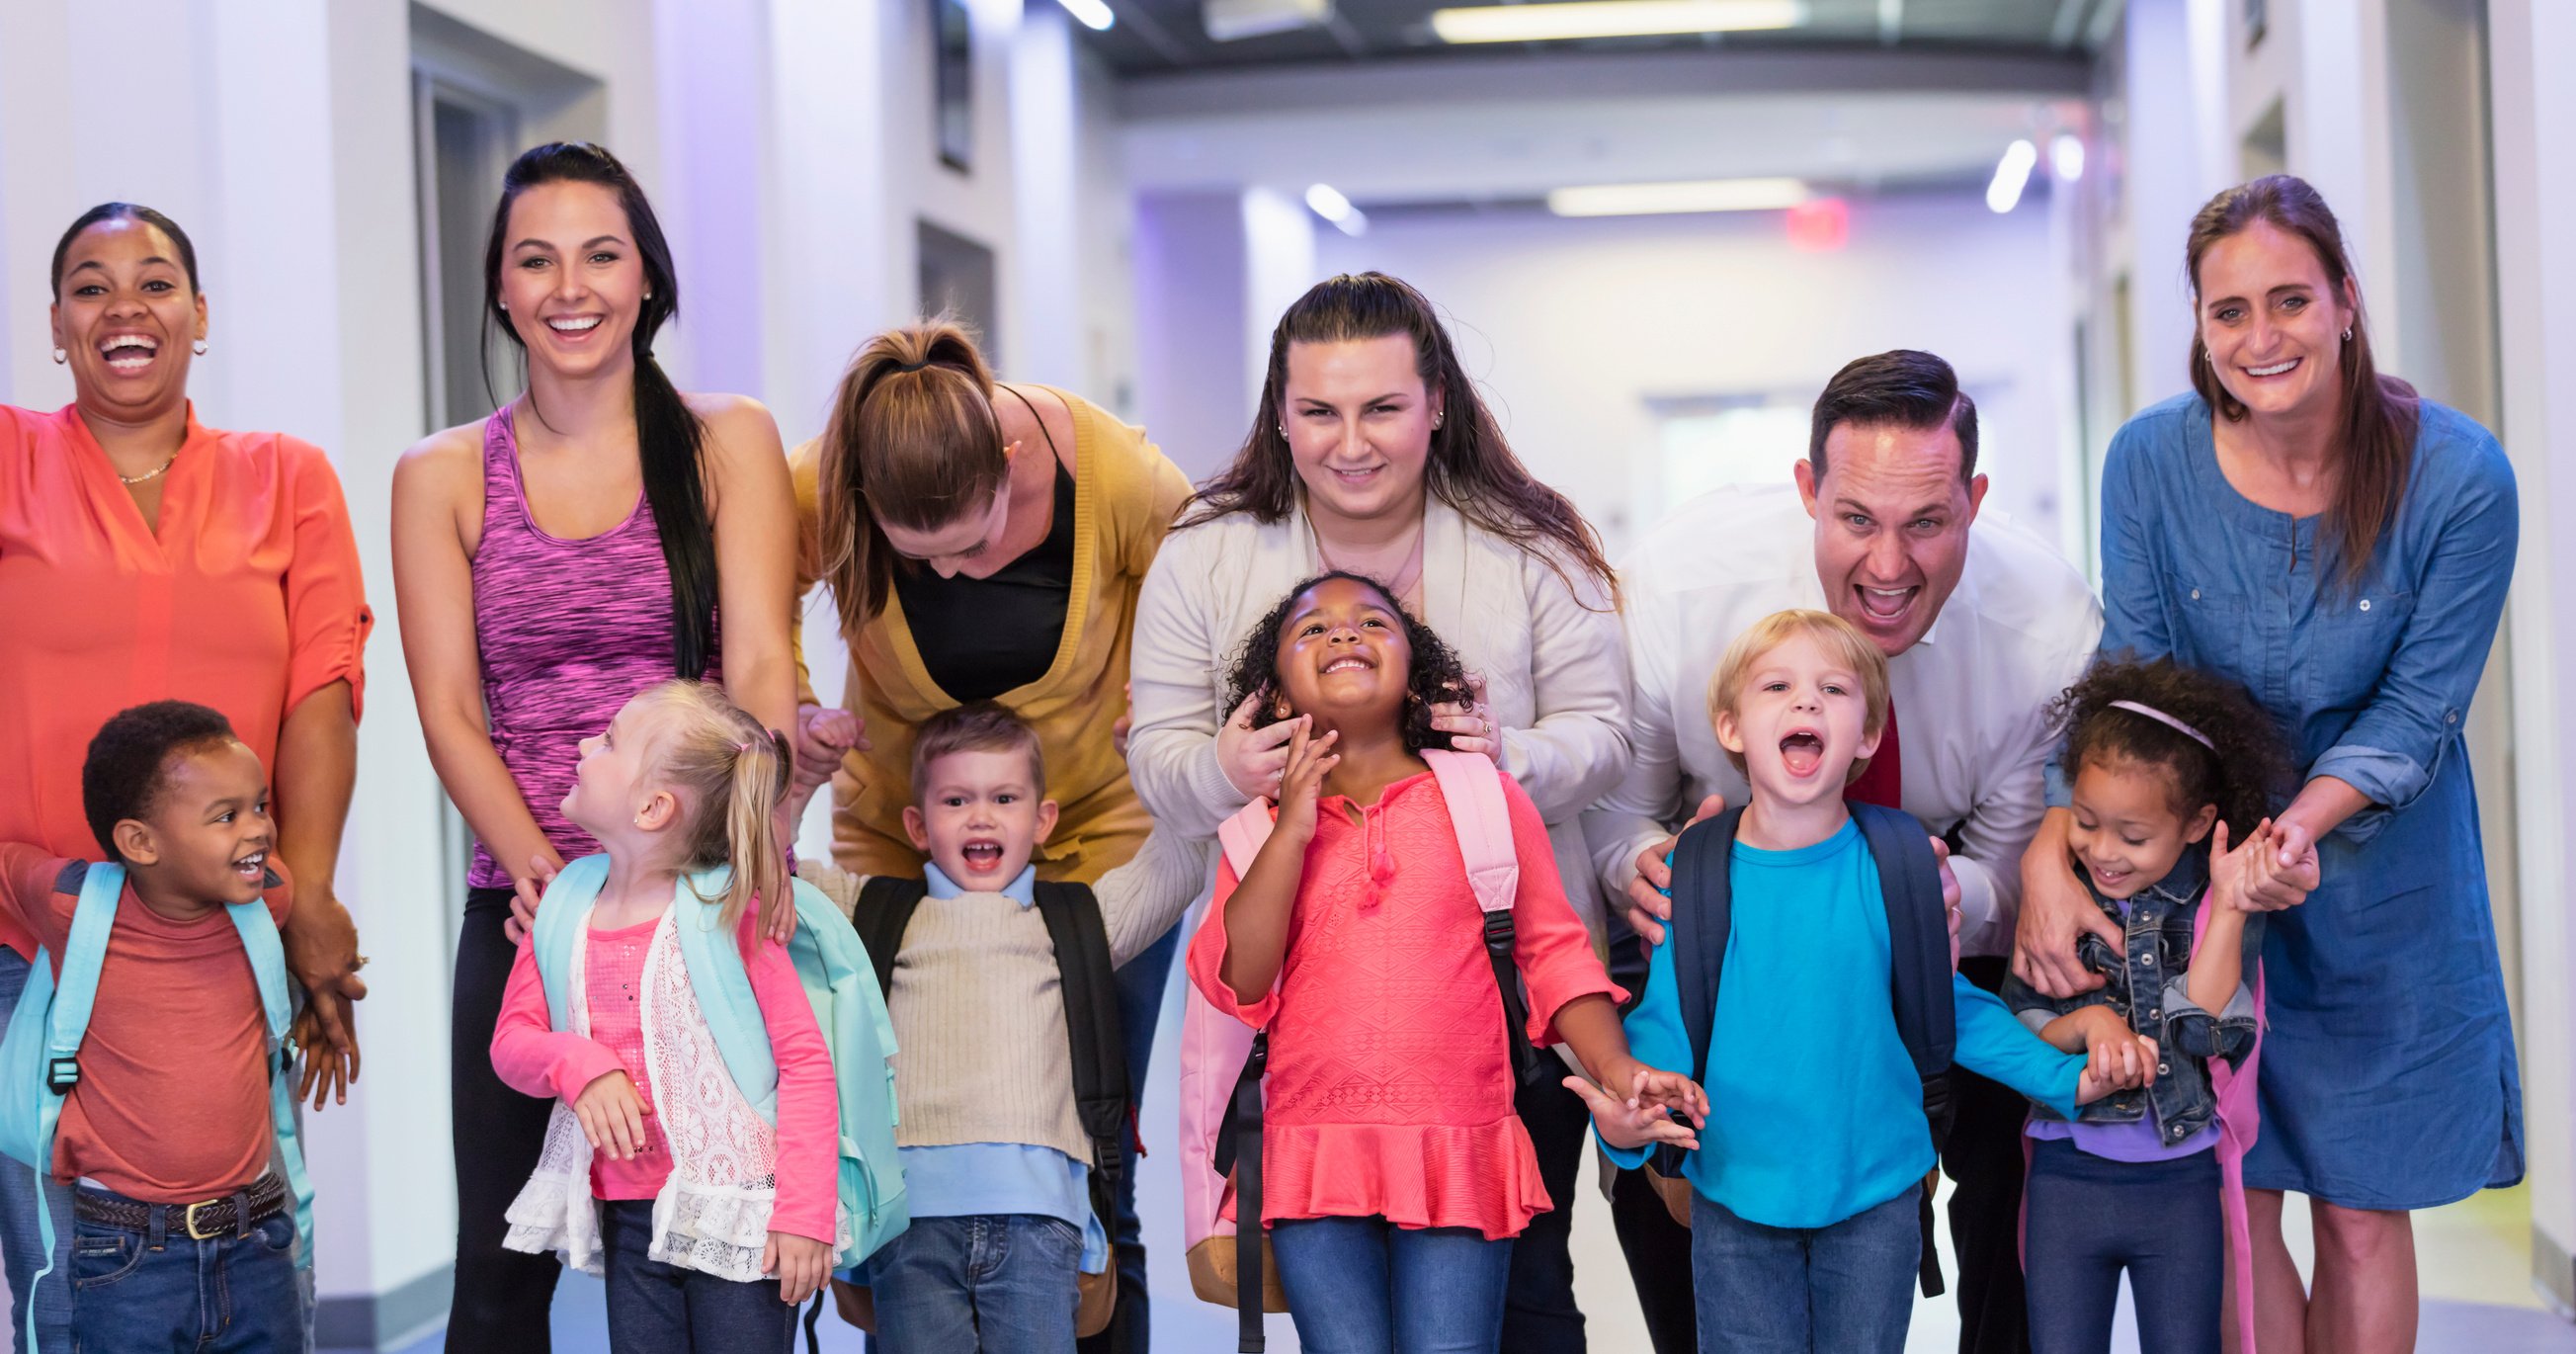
2167,720
916,366
742,749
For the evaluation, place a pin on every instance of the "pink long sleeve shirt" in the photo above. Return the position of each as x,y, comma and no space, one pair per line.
533,1058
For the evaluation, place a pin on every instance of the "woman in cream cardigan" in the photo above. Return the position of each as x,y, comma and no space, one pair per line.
1371,452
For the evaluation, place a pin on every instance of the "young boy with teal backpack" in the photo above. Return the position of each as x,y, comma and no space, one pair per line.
723,1134
148,1062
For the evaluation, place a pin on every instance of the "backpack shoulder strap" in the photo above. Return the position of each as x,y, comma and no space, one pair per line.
76,984
258,930
1090,987
720,982
1243,834
1482,819
1703,916
1918,934
884,909
558,927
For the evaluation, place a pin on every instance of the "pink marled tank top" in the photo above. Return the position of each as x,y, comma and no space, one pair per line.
568,631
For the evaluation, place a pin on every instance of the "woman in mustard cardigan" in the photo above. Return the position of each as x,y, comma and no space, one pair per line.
986,540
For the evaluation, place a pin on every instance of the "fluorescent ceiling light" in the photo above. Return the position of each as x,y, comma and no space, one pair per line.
2011,173
1559,22
1327,202
1702,195
1235,20
1094,14
2066,156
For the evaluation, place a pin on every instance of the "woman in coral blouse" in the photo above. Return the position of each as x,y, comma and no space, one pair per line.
145,556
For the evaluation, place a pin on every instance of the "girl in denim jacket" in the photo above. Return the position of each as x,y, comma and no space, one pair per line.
2172,773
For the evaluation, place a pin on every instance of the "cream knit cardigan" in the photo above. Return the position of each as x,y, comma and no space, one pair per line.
1553,658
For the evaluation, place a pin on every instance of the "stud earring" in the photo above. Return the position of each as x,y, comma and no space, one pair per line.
61,357
502,304
2347,333
1436,418
1283,428
198,347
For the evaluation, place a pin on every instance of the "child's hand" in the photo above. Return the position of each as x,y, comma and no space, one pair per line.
801,1263
1302,783
2231,869
2270,885
612,1115
2116,1065
823,737
1654,1088
1627,1125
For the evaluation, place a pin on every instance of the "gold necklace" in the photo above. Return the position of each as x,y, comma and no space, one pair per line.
132,480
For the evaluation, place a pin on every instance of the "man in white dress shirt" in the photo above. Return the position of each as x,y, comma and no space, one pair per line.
1983,628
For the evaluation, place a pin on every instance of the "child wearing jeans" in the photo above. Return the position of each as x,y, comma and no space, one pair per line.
997,1160
183,1237
2168,766
714,1225
1395,1173
1805,1188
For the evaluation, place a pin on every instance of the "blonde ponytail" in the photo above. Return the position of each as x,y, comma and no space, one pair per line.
912,439
731,774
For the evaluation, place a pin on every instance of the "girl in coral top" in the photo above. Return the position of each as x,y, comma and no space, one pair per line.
1395,1173
712,1224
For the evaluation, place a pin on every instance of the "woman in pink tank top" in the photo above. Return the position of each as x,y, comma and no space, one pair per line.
574,548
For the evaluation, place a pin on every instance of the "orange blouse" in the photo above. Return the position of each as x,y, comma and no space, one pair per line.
247,600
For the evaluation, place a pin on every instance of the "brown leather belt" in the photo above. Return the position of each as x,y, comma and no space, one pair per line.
265,1199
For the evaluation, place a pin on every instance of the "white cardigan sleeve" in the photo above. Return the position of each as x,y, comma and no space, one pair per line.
1576,748
1171,745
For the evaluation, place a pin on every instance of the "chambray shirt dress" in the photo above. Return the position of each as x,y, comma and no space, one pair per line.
2388,1069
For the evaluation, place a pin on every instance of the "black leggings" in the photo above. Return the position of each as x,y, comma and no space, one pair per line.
2091,1218
502,1296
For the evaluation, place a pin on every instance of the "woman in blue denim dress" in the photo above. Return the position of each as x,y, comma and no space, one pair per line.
2342,549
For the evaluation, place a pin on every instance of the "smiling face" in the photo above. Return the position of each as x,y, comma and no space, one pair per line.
2126,833
124,316
1343,657
981,816
205,835
2272,322
1892,516
1799,721
1359,422
571,277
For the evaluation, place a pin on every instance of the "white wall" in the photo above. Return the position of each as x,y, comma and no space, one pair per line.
1572,325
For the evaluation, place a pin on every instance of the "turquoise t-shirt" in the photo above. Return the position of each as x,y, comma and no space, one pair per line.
1815,1110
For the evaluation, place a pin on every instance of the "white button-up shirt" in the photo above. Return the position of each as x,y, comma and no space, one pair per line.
1971,696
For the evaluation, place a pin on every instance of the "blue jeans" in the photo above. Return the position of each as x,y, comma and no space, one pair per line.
2091,1218
1003,1283
1843,1289
1367,1286
21,1248
157,1289
659,1308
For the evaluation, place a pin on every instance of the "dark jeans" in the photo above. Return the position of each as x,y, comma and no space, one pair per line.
1002,1284
1141,986
1539,1313
659,1308
1659,1263
2091,1218
1366,1286
502,1296
1983,1160
1843,1289
156,1289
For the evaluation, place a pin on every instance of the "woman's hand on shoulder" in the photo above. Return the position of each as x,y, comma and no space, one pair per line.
1470,723
1253,760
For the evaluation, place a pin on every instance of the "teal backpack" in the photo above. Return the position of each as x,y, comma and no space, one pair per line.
40,1057
848,1006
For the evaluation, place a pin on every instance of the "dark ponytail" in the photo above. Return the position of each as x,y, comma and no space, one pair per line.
670,441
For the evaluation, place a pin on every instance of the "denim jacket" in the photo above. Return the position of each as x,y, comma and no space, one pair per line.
2147,985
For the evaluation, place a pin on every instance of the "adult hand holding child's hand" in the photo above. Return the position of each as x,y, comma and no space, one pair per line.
612,1115
823,737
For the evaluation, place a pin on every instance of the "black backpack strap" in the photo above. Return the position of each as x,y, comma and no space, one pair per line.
884,909
1238,1153
1918,943
1703,916
1499,937
1090,986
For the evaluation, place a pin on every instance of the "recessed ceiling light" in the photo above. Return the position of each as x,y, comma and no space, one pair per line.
1695,195
1559,22
2011,173
1094,14
1327,202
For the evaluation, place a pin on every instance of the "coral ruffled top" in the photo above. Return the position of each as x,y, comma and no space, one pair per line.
1390,1085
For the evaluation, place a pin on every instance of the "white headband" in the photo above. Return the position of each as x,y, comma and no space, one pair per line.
2167,720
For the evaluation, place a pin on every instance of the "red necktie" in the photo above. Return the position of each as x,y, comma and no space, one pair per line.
1879,781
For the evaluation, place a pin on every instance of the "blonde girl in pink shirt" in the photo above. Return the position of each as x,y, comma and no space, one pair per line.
711,1224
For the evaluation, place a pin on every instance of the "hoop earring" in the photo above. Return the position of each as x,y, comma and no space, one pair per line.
198,347
61,357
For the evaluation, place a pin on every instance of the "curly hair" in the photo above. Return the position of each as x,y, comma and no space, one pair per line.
1436,675
2245,770
130,756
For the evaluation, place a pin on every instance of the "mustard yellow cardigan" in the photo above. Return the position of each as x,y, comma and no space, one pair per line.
1125,495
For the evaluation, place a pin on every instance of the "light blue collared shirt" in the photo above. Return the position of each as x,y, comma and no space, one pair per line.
983,1178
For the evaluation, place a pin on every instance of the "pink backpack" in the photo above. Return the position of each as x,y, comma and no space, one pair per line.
2240,1119
1216,1049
